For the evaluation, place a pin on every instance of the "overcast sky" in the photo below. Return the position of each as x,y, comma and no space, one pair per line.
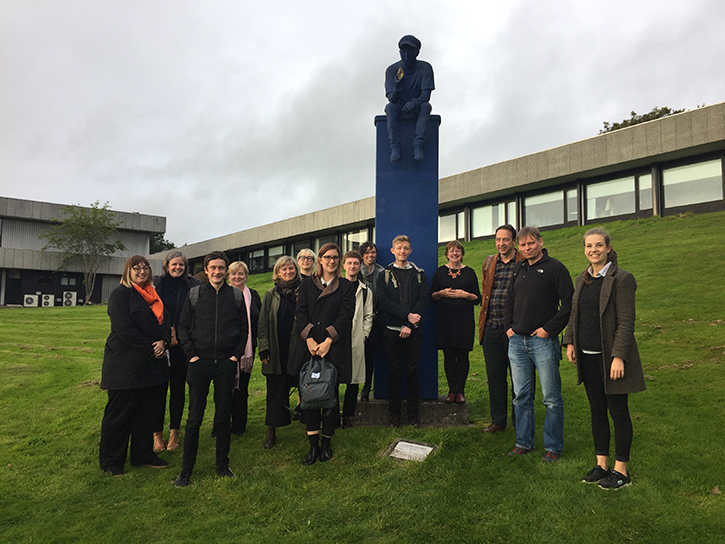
226,115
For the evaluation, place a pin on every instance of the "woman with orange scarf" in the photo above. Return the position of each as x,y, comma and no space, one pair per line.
135,369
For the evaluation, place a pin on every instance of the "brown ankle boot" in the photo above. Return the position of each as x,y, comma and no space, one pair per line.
173,440
271,439
159,445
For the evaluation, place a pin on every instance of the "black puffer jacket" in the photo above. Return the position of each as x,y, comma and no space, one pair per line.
128,359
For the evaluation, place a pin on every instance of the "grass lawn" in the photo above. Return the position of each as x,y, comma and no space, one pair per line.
51,489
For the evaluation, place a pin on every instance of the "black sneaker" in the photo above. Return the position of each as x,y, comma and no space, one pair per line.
183,479
517,451
596,474
615,480
225,472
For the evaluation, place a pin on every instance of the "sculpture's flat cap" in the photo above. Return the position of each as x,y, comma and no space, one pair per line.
410,40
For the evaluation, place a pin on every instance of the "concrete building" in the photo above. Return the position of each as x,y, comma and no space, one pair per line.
30,276
661,167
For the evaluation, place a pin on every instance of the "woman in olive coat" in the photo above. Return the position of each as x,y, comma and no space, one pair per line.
135,369
600,341
278,341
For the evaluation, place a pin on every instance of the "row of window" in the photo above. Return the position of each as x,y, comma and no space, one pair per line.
681,186
347,241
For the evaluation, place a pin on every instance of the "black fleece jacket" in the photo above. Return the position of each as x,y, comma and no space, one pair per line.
539,296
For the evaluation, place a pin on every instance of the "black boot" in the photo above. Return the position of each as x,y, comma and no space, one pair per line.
312,456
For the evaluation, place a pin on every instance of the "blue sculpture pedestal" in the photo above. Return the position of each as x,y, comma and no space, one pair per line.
406,202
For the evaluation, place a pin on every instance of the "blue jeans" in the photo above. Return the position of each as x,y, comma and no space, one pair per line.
527,353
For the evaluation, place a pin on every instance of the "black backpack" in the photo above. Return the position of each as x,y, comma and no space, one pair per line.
318,384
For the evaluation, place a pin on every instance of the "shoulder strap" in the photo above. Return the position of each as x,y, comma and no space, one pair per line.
194,296
238,298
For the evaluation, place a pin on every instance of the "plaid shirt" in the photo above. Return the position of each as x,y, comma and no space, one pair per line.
501,280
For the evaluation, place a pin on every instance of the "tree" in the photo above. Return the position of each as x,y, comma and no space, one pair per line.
158,243
85,237
656,113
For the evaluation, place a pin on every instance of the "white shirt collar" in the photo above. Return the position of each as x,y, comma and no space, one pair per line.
602,272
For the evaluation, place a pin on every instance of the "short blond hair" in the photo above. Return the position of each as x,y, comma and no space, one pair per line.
284,260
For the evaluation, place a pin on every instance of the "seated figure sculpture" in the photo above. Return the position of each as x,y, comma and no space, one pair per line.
408,84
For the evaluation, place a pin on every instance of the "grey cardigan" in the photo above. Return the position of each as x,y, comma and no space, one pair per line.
616,311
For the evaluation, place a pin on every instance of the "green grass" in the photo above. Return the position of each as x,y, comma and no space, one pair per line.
51,489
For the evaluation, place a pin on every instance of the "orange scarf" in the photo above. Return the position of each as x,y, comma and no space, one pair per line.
151,297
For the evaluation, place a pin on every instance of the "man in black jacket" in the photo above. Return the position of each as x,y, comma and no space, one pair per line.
213,332
402,299
535,312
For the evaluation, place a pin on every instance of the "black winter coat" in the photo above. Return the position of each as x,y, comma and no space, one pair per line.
128,358
323,312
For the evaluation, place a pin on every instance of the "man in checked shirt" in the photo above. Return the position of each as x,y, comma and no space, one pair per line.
496,276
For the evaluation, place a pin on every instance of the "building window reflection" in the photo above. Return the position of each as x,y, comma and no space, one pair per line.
544,210
256,261
645,191
692,184
610,198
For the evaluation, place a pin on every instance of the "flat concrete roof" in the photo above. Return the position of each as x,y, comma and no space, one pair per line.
345,215
34,210
670,138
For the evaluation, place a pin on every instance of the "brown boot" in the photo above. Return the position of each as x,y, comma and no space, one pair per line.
271,439
173,440
159,445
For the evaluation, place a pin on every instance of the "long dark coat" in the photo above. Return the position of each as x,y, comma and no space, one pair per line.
322,312
128,358
616,310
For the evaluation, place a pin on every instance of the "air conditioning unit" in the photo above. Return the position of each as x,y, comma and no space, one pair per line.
30,301
69,298
47,301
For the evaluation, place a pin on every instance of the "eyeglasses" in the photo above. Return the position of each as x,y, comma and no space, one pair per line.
306,259
140,268
328,258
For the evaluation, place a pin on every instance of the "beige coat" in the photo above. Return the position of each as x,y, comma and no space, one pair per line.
362,323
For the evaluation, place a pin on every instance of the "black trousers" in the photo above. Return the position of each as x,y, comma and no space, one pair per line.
278,409
349,403
240,404
593,376
498,368
125,417
456,365
398,350
373,344
177,386
200,375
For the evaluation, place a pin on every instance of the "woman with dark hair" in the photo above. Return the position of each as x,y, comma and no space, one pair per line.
455,291
135,370
173,287
238,274
325,308
278,344
600,341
